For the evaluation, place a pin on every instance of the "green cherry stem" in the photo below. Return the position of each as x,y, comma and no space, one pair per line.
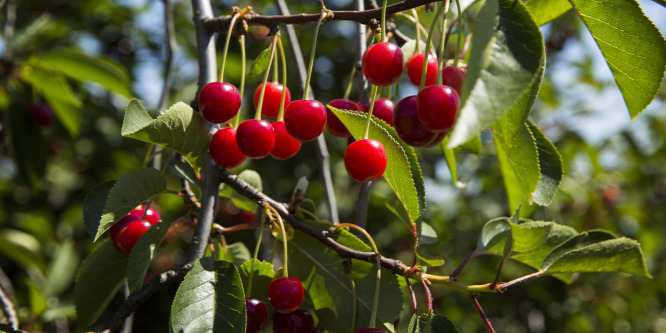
350,83
241,40
417,25
284,238
220,77
373,94
384,22
257,113
306,91
275,71
459,44
283,60
254,257
427,50
441,43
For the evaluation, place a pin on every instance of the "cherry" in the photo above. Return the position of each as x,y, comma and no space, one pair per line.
334,125
365,160
383,109
42,113
305,119
219,102
119,226
257,315
369,330
151,214
223,148
131,234
382,63
285,294
285,146
255,138
298,321
436,107
437,140
453,76
415,69
272,97
408,126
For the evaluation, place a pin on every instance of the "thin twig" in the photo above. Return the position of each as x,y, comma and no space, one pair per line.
412,296
454,275
479,310
170,48
503,286
8,310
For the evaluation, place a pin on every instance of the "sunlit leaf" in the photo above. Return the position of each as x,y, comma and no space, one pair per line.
519,164
544,11
550,167
263,273
260,64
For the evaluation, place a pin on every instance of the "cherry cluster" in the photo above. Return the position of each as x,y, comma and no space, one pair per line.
285,295
127,231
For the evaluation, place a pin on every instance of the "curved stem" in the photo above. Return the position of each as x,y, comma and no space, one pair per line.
257,113
375,303
479,310
312,56
285,263
427,50
417,25
283,99
241,40
440,57
350,83
220,77
361,230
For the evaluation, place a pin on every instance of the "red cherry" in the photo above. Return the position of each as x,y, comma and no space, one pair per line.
453,77
415,69
131,234
219,102
298,321
382,63
408,126
257,315
119,226
223,148
383,110
255,138
285,294
436,107
437,140
272,97
369,330
285,146
365,160
334,125
42,113
305,119
151,214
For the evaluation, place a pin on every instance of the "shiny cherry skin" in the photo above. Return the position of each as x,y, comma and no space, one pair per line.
131,234
383,109
257,315
305,119
437,107
415,69
272,97
219,102
369,330
255,138
285,146
151,214
285,294
298,321
408,126
365,160
382,63
119,226
224,149
453,76
333,124
42,113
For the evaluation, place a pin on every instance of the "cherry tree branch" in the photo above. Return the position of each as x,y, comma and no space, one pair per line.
8,310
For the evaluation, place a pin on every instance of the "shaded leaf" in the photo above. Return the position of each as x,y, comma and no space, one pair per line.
429,260
183,170
441,324
519,164
450,157
21,247
62,269
236,253
544,11
28,146
263,275
142,253
428,235
550,167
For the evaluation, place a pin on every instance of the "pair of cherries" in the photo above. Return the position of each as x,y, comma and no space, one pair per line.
126,232
285,295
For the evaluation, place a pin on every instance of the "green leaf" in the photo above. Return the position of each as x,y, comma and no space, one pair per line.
429,260
409,49
505,60
450,157
403,172
84,67
133,188
633,47
236,253
251,177
321,271
428,235
100,277
210,299
550,165
558,235
178,128
21,247
528,236
263,275
544,11
493,234
183,170
432,324
28,146
441,324
260,64
474,145
142,253
62,269
581,240
519,164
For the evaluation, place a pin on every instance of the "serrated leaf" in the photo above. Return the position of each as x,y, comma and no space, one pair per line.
493,234
429,260
544,11
403,172
28,146
420,323
506,56
179,128
142,253
133,188
100,277
434,324
581,240
62,269
558,235
550,167
210,299
263,273
183,170
633,47
85,67
441,324
529,235
260,63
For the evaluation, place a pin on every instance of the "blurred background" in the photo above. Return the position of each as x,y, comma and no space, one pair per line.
68,69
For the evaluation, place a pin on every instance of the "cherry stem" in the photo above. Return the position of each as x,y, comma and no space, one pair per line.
361,230
442,43
424,71
306,91
479,310
241,39
493,285
350,83
254,257
284,237
238,227
275,72
502,286
373,97
220,77
383,39
424,284
283,98
257,113
417,25
459,42
454,275
412,295
375,304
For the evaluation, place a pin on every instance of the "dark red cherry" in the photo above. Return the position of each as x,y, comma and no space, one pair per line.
224,149
257,315
369,330
436,107
382,63
453,77
219,102
334,125
119,226
415,69
285,146
365,160
151,214
383,110
299,321
272,97
42,113
408,126
305,119
131,234
255,138
285,294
